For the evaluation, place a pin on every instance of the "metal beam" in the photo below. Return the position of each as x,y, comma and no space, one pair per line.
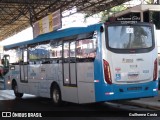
19,14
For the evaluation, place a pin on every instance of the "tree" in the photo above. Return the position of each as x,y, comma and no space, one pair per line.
107,13
151,1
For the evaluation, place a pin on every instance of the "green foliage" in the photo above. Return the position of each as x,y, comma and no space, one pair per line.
107,13
149,1
110,12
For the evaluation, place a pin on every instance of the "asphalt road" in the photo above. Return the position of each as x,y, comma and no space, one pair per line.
30,103
8,102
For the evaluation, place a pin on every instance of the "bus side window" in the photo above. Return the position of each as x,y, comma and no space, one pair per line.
25,56
56,51
19,55
32,53
13,59
86,49
66,52
72,52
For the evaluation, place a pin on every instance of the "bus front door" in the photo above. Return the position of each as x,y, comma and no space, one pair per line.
24,67
70,90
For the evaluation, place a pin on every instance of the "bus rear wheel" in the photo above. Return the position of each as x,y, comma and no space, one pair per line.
16,93
56,95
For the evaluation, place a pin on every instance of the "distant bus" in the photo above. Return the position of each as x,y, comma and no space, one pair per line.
97,63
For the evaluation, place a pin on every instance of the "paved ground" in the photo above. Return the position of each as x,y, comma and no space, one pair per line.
151,103
148,102
37,104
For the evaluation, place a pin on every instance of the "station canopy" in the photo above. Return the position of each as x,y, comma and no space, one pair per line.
17,15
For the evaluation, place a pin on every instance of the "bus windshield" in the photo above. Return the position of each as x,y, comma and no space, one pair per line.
130,37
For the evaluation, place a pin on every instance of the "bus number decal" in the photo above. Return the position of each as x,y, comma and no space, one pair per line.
129,30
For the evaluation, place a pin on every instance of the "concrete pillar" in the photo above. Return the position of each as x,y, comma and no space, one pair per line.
141,16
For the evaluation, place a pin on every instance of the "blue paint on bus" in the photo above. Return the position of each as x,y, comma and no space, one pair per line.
56,34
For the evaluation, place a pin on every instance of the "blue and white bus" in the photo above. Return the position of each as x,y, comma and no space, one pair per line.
97,63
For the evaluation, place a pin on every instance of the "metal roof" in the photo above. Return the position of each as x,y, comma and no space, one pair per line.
16,15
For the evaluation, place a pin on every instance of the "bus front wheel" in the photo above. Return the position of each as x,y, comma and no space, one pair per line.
16,93
56,95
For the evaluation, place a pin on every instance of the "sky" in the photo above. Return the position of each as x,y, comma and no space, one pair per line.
26,34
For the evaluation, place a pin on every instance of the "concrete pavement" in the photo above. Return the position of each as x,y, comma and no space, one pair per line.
153,103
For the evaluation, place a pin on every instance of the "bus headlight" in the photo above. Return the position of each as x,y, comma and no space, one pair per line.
8,82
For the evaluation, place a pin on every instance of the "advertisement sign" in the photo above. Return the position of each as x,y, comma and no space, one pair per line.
47,24
1,49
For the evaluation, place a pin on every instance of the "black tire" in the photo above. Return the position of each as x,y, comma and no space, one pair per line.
16,93
56,95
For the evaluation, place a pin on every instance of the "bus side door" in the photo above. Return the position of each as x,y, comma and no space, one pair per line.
69,89
24,66
69,64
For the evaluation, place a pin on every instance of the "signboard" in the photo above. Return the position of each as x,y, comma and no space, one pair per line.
47,24
130,17
1,49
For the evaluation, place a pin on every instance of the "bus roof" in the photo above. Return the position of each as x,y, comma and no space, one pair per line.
56,34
